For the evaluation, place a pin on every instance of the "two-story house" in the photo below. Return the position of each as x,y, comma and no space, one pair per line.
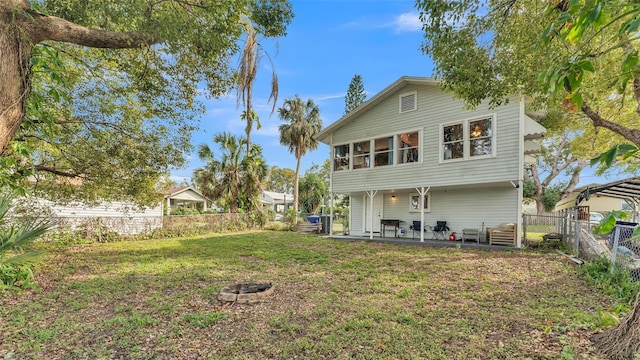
414,153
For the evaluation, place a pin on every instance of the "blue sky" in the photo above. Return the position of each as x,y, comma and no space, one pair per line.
328,42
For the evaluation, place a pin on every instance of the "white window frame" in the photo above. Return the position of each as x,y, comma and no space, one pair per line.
372,152
349,158
415,101
420,147
365,158
466,139
416,197
392,151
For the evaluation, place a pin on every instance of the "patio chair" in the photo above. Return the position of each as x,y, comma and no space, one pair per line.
416,227
440,230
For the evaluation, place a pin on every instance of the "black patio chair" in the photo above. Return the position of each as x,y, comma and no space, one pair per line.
440,230
416,226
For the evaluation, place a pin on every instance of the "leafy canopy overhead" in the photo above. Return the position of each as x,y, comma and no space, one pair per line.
114,86
581,55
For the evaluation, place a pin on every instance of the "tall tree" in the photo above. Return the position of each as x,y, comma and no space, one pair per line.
355,94
146,58
234,177
298,133
313,190
251,55
280,180
587,62
556,159
491,50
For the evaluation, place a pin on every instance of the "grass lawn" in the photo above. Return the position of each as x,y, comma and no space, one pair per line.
333,299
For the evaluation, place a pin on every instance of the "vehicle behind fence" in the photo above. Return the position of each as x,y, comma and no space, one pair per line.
618,246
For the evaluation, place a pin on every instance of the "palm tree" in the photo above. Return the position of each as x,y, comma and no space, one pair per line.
15,235
303,123
255,171
235,179
220,178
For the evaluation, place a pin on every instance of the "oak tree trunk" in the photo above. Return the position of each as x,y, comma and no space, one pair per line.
15,51
20,30
623,340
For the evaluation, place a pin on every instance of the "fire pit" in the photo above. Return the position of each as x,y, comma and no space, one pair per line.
245,293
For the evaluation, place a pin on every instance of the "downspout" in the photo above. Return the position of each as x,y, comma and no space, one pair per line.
519,185
331,155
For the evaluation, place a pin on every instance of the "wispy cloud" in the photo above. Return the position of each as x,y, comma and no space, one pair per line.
407,22
402,23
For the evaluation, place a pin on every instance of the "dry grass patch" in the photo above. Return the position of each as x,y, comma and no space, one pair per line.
333,299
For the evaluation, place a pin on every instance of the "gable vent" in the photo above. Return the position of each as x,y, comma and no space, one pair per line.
408,102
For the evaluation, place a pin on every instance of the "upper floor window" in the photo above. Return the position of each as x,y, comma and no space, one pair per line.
468,139
408,147
453,142
361,154
480,137
341,157
383,151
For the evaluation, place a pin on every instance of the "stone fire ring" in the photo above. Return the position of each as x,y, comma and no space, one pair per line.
245,293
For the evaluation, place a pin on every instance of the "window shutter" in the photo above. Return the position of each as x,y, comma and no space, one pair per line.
407,102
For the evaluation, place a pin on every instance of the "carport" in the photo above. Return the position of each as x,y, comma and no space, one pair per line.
628,189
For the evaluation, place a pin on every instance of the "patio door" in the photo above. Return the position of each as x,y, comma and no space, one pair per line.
377,212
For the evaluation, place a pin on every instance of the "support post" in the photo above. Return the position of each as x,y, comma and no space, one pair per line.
422,193
371,194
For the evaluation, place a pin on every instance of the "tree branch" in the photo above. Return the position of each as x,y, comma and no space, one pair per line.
53,28
57,172
598,121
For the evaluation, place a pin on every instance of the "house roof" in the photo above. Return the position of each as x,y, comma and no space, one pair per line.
532,130
622,189
174,192
277,196
376,99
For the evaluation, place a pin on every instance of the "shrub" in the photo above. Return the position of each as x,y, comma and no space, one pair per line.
185,211
618,284
16,260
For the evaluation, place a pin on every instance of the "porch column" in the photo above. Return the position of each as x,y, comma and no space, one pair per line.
371,194
422,191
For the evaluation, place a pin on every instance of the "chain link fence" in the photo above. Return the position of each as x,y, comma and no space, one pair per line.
619,246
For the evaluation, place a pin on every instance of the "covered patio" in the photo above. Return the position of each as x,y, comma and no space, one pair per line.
424,242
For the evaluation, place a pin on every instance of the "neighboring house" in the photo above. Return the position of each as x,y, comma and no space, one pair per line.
605,204
413,140
279,202
603,198
184,197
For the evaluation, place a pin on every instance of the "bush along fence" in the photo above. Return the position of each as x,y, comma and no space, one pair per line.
186,225
619,247
107,229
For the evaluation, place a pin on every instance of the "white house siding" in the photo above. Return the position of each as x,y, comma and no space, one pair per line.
462,208
434,108
477,193
120,217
